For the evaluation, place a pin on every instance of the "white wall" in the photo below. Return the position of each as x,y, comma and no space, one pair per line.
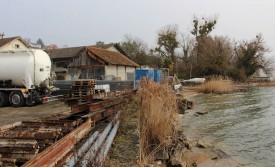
111,70
119,71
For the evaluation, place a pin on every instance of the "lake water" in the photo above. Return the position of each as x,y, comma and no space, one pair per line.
242,124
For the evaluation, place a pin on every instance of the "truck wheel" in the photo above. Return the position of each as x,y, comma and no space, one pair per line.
17,99
4,100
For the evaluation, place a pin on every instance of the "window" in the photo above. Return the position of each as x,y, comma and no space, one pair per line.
61,64
17,46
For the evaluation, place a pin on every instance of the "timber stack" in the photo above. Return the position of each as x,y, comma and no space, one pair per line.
83,88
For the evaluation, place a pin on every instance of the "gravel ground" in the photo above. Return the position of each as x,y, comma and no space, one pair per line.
125,149
10,115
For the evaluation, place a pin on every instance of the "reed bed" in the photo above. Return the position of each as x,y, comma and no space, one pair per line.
217,85
266,83
158,118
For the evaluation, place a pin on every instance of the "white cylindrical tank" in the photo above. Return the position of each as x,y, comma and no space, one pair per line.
26,68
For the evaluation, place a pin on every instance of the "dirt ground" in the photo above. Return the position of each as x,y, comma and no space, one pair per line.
10,115
125,148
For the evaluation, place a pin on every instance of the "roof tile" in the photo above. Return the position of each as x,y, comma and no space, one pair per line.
111,57
5,41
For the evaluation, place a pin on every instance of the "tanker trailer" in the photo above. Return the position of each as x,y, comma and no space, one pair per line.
24,76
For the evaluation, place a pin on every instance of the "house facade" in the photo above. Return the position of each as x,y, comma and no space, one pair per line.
12,43
89,62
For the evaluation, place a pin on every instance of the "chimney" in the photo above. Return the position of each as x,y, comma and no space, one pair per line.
2,36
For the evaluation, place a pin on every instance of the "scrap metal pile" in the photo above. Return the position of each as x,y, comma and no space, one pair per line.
80,138
22,141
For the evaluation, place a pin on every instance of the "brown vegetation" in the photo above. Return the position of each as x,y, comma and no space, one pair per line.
267,83
158,119
218,85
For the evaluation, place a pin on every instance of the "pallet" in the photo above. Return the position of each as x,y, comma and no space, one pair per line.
82,82
82,88
76,87
83,91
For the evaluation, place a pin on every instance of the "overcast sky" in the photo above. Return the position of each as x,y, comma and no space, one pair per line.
83,22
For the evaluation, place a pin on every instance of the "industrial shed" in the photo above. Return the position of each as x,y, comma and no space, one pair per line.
89,62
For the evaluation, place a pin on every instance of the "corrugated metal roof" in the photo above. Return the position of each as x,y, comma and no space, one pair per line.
110,57
64,52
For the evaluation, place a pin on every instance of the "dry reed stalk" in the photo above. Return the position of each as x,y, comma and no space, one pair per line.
157,118
265,83
216,85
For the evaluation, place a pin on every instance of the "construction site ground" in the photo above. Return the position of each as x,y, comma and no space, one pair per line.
9,115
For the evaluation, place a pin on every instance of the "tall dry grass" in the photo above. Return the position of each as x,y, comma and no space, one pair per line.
158,110
218,85
266,83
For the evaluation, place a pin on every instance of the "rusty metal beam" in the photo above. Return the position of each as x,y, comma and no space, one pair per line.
8,162
38,128
18,143
36,134
50,123
9,126
18,150
55,154
105,104
19,157
55,128
79,108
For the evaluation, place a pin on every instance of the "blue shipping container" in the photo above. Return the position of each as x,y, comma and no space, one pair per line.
157,76
143,73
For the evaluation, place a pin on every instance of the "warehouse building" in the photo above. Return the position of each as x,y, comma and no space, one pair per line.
89,62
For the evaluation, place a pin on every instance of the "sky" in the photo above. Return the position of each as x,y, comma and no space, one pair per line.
84,22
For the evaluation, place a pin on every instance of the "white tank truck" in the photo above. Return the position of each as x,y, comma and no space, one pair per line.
24,77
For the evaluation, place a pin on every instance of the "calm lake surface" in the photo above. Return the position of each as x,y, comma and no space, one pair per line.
241,124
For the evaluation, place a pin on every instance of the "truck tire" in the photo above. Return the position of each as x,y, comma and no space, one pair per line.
4,99
17,99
